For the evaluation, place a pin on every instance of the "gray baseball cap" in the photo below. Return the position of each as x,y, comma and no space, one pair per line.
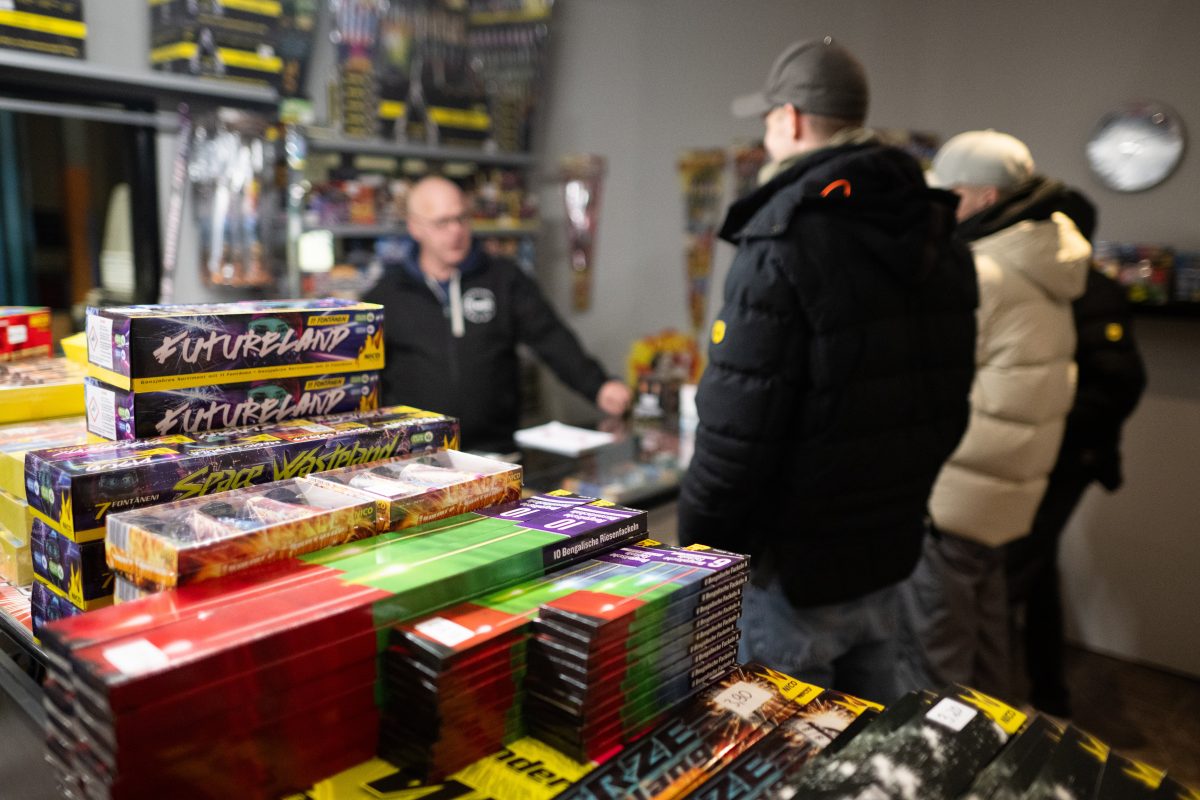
818,76
981,158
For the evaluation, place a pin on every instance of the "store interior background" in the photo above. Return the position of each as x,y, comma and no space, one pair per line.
640,80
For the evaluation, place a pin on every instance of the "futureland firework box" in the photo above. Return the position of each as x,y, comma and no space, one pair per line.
153,348
40,388
205,537
413,490
16,440
116,414
73,489
72,570
24,332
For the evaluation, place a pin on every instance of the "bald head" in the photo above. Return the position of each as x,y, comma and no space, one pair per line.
439,221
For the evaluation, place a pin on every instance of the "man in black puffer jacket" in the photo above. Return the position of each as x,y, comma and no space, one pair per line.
838,381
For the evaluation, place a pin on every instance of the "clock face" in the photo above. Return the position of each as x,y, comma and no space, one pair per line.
1136,146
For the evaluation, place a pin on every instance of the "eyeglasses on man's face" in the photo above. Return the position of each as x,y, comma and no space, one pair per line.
442,223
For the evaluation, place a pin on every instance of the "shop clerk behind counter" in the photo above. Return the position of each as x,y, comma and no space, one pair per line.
454,316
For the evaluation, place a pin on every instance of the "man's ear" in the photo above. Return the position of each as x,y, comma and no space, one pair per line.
991,194
799,123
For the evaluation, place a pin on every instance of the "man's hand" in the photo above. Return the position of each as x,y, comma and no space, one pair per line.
613,398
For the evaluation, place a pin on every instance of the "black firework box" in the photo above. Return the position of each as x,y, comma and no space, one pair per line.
1171,789
1019,763
74,489
158,347
72,570
936,753
50,27
233,39
743,706
120,415
417,489
765,766
1074,770
205,537
1126,779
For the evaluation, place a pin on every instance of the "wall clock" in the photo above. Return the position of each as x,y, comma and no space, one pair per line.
1136,146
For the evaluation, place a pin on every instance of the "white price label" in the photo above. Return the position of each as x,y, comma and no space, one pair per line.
101,410
18,334
951,713
445,632
100,341
743,699
136,657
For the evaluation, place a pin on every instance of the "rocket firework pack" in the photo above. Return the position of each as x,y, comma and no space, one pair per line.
935,754
477,650
74,489
25,332
116,414
247,651
1074,770
1125,779
40,388
16,440
415,490
153,348
206,537
1016,768
74,571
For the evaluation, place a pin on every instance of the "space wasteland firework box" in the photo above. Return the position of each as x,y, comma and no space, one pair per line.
73,489
205,537
72,570
414,490
1074,769
40,388
17,439
1013,771
749,698
24,332
936,753
119,415
154,348
131,655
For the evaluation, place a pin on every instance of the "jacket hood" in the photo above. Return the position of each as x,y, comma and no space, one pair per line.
881,188
1051,253
406,252
1035,199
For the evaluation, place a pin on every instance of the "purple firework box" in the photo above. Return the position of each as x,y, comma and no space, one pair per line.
74,570
73,489
120,415
45,607
151,348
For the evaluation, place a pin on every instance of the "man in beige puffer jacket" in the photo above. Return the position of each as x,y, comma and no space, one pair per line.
1032,263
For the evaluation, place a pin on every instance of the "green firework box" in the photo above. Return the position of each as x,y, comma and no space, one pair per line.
75,571
154,348
73,489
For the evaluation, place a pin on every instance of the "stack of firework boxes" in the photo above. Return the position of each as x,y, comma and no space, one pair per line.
162,381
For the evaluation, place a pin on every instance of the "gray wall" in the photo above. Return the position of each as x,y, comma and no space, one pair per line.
639,80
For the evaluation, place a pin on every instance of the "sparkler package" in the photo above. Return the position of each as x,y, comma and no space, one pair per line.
1015,769
73,489
74,571
453,680
937,753
24,332
1125,779
116,414
1074,770
158,347
1170,789
415,490
237,655
16,440
40,388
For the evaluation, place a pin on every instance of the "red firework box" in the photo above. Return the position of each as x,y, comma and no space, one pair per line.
158,347
74,489
24,332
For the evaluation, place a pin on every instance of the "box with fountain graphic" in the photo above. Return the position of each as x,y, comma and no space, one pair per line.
74,489
116,414
206,537
143,348
413,490
74,571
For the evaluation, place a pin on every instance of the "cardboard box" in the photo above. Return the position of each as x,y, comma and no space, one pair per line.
119,415
142,348
24,330
15,516
40,388
51,27
75,571
45,607
16,440
16,559
73,489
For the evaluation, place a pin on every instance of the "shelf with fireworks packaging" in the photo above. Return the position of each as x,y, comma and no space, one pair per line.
1156,278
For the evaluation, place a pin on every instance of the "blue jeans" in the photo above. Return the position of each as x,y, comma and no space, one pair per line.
851,647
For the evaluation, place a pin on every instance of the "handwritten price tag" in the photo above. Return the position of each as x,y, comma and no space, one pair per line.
743,699
951,713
